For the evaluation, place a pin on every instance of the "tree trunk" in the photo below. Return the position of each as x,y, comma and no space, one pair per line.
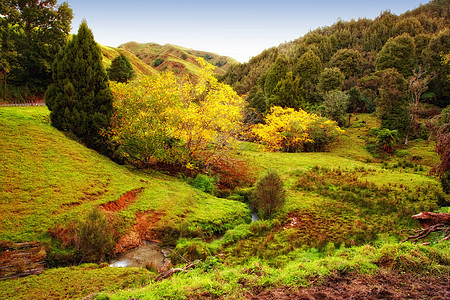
427,219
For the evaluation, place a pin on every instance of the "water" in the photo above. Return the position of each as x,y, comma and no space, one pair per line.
146,255
255,217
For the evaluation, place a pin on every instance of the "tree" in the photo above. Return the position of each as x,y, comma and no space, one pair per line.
409,25
418,84
287,93
276,72
80,100
162,119
120,69
38,29
335,106
330,79
269,195
349,61
391,100
308,66
399,53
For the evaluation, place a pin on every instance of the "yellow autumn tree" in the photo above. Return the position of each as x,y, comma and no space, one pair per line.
164,119
290,130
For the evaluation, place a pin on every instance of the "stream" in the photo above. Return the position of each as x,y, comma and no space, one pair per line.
150,255
146,255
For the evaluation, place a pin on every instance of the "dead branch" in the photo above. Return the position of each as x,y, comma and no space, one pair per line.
172,271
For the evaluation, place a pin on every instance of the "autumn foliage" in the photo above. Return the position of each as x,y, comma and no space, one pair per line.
290,130
163,119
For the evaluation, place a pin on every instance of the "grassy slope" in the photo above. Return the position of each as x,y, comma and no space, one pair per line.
49,179
140,68
270,259
178,59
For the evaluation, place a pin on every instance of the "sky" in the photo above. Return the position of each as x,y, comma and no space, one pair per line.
239,29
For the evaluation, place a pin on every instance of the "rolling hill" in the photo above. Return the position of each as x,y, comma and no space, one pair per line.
177,59
140,68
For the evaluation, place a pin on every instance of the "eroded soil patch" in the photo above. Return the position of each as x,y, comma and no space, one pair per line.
384,285
123,202
142,230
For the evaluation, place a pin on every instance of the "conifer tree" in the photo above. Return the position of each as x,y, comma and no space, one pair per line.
276,72
120,69
79,98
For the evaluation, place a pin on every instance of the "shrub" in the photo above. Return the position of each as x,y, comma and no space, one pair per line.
290,130
158,61
269,195
94,237
204,183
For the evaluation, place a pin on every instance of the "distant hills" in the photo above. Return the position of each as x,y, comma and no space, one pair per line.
152,58
177,59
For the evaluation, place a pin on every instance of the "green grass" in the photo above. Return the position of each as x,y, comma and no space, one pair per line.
336,201
74,282
48,179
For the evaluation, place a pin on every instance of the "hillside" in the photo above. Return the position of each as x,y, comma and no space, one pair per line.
336,199
358,48
49,180
140,68
177,59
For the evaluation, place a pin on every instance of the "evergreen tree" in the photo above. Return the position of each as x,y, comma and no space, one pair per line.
276,72
308,66
287,93
330,79
391,101
80,99
398,53
120,69
349,61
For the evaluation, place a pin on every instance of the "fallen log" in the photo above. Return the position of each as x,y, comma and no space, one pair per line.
430,222
427,219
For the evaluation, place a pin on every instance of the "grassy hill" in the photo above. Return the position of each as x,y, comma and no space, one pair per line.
139,67
341,223
177,59
48,179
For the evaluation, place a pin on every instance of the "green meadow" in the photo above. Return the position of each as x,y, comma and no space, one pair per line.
344,214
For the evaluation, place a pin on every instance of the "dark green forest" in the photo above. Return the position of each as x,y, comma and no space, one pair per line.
361,57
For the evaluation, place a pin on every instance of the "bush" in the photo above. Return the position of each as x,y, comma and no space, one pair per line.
269,195
288,130
158,61
204,183
94,237
335,106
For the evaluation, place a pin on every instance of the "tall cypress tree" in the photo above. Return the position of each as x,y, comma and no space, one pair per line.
79,97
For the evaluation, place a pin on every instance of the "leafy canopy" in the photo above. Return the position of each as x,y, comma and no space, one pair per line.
162,119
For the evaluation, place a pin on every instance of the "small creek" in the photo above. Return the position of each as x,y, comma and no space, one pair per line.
148,254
